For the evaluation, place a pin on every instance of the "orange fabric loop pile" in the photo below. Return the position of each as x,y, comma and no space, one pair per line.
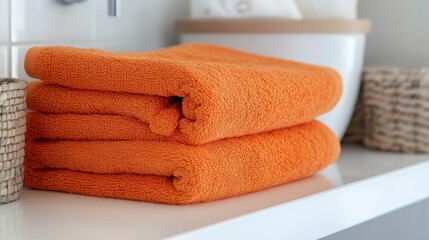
184,124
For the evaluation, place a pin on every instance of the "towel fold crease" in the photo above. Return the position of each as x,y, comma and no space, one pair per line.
223,92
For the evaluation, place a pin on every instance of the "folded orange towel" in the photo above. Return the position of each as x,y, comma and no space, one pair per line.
175,173
77,127
198,92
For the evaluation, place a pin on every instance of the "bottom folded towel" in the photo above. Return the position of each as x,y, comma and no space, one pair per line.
175,173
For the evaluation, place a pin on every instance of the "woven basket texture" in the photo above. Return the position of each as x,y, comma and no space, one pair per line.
392,112
12,138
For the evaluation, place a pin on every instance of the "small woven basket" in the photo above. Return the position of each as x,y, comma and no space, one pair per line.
12,139
392,112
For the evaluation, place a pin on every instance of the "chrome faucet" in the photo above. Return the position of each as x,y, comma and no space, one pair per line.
114,8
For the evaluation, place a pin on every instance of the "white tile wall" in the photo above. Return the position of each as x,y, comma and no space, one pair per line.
145,20
4,21
143,25
4,61
129,25
401,32
17,61
49,20
18,52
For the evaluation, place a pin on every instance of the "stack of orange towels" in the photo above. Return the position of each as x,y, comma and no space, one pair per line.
185,124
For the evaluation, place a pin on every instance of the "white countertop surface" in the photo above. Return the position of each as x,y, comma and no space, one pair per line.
362,185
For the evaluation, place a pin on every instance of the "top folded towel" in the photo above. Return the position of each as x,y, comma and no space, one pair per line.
213,92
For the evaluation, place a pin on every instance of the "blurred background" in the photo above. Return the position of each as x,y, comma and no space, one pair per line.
399,37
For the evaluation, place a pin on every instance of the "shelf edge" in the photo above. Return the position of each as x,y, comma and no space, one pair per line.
323,214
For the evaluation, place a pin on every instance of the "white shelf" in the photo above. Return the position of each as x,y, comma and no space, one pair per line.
363,184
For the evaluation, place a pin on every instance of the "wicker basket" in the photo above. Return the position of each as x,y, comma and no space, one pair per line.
393,110
12,130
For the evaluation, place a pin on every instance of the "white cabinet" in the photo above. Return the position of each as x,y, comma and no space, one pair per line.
4,59
145,20
4,21
141,25
129,24
18,53
4,38
50,20
17,61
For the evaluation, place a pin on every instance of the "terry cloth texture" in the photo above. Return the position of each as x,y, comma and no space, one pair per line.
186,124
200,92
175,173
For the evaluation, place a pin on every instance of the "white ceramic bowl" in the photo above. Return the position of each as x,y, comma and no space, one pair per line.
339,44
